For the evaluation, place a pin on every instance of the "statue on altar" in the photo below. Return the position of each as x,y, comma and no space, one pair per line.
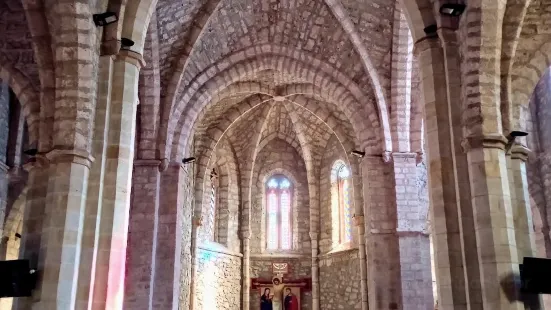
290,302
277,300
266,300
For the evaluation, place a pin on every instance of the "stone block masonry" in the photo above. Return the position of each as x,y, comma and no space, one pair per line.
340,281
218,284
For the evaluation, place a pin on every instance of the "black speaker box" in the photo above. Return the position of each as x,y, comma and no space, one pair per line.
535,275
16,279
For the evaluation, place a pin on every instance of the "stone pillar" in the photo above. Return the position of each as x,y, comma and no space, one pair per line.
451,217
382,241
94,199
360,223
53,227
113,220
412,233
520,200
142,235
494,220
4,135
315,271
246,284
173,260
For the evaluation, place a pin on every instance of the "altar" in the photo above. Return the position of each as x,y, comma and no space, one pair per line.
280,292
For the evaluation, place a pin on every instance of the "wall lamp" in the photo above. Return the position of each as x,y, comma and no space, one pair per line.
126,43
512,137
452,9
104,19
358,154
188,160
30,152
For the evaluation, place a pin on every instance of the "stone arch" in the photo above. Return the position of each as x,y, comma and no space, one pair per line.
25,93
254,59
419,14
149,93
137,15
13,225
525,77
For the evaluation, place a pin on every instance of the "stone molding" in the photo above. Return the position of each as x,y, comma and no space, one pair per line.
245,234
314,235
38,161
426,43
80,157
131,57
4,168
359,220
161,164
518,151
491,141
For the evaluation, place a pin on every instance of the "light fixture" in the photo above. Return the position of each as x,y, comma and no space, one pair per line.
126,43
512,137
359,154
105,18
452,9
188,160
30,152
430,29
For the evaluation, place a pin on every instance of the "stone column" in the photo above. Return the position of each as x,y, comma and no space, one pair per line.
4,135
520,200
452,221
94,199
493,214
412,233
246,284
315,271
360,223
173,260
113,220
544,158
382,241
53,227
142,235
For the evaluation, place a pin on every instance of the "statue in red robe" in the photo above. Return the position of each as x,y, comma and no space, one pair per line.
291,301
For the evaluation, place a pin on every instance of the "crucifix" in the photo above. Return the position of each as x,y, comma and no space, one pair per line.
281,293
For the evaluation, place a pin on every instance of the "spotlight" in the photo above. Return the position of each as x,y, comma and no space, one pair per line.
517,133
430,29
30,152
188,160
126,43
105,18
359,154
452,9
512,137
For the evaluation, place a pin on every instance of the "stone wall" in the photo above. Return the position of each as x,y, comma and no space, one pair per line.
340,281
261,267
218,284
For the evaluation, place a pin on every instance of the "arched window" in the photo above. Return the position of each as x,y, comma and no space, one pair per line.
213,206
278,216
340,202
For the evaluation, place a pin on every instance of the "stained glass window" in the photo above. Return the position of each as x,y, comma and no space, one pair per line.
341,204
279,231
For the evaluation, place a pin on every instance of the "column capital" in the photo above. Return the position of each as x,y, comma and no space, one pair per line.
3,167
519,151
76,156
38,161
426,43
359,220
313,235
245,235
161,164
131,57
491,141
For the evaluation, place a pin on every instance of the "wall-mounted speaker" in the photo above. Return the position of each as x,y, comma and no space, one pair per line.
17,279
